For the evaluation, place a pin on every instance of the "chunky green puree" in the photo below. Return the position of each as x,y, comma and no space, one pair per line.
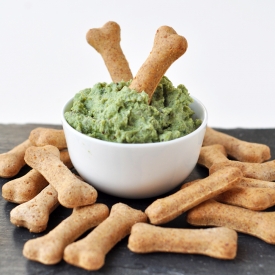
113,112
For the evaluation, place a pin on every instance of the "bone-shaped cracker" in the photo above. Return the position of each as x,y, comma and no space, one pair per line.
34,214
49,248
168,47
212,154
249,182
261,171
238,149
106,40
213,213
47,136
90,252
248,193
25,188
12,161
72,192
220,242
167,208
253,198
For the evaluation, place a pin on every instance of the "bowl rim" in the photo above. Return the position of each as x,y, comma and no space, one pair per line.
129,145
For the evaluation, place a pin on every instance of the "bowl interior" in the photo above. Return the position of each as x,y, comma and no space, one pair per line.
197,106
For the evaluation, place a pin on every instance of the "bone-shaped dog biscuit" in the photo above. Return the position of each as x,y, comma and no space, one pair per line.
238,149
248,193
249,182
212,154
25,188
167,208
49,248
261,171
168,47
12,161
90,252
253,198
106,41
213,213
72,192
34,214
220,242
46,136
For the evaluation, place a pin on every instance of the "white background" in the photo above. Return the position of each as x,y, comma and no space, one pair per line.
229,64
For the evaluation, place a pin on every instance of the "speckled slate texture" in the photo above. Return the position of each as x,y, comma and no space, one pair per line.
253,257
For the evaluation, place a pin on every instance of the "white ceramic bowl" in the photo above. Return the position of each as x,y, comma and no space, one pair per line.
135,170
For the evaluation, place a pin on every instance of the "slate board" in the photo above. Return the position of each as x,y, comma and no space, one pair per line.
253,256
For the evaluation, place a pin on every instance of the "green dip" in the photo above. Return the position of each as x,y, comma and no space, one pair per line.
113,112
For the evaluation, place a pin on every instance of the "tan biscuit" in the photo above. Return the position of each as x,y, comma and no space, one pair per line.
248,182
212,154
12,161
168,47
72,192
261,171
49,248
106,41
249,197
47,136
166,209
212,213
89,253
238,149
34,214
65,158
248,193
25,188
220,242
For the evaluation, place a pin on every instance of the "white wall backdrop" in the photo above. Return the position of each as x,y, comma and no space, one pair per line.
229,64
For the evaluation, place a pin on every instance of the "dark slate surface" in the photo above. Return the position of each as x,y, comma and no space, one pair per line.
253,257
